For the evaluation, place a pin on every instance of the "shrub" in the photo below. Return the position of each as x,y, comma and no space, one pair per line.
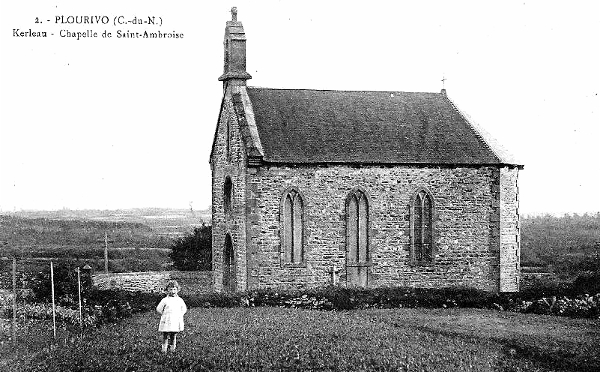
214,299
583,306
6,298
588,282
117,304
340,298
43,311
65,286
193,252
99,306
114,305
545,288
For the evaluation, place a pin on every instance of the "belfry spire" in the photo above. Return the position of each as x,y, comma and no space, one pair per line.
234,44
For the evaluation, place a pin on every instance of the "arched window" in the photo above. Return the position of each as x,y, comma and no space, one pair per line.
292,227
228,140
357,210
227,191
357,238
422,249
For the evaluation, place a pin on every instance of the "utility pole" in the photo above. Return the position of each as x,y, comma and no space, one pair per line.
105,252
53,303
14,322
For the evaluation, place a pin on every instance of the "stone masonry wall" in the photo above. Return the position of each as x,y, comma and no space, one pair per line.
191,282
232,222
465,227
510,237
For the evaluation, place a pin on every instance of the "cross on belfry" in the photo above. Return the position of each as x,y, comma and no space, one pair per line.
444,82
234,14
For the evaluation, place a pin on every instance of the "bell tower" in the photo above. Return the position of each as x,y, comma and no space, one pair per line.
234,67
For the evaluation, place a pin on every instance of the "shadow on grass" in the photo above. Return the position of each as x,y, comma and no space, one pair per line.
559,360
514,348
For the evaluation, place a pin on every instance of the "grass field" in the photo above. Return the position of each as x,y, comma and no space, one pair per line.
132,246
268,339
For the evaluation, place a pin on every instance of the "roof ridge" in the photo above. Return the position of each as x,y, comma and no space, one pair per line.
341,90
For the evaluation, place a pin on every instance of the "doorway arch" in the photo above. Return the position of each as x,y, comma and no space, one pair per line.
228,265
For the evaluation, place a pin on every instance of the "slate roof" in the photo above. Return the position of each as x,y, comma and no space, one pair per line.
326,126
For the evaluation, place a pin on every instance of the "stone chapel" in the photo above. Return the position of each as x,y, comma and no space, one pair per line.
356,188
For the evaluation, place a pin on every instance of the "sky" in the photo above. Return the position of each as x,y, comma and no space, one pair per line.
113,123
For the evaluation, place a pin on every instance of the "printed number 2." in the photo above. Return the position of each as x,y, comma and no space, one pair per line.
37,20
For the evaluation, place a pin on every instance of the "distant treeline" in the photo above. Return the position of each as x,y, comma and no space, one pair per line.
88,214
568,244
18,232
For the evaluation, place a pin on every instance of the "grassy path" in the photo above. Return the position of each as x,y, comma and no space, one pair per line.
287,339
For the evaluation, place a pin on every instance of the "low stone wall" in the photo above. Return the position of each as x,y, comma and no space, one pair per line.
530,279
155,281
531,275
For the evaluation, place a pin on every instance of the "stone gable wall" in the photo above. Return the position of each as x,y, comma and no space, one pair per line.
232,222
466,232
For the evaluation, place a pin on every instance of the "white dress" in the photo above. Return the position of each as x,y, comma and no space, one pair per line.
171,309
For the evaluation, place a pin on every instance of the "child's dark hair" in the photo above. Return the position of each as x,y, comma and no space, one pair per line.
172,284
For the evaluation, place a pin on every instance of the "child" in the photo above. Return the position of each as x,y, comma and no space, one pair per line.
171,309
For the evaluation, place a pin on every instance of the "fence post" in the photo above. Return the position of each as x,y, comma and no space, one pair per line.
79,293
14,321
53,305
